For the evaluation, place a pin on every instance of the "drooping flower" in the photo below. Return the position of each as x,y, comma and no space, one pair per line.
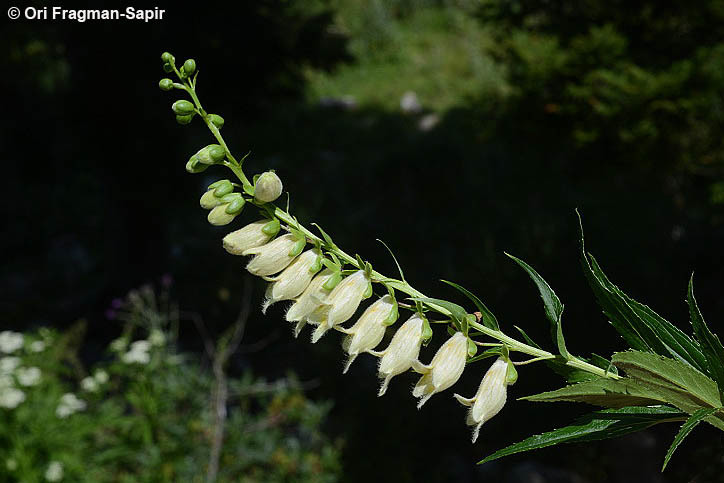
341,304
445,369
251,236
273,257
403,350
69,404
294,279
490,397
10,341
54,472
312,297
368,331
28,376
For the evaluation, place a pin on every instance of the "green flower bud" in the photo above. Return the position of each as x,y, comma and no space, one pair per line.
167,68
224,188
183,120
189,66
209,200
235,207
211,154
298,247
216,120
182,107
193,166
271,228
166,57
216,184
268,187
219,217
165,84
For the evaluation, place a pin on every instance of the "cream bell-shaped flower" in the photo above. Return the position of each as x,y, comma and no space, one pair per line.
490,397
312,297
251,236
273,257
294,279
341,304
445,369
402,352
369,329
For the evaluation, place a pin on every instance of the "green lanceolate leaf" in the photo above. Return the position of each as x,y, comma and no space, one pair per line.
488,318
641,327
492,352
551,303
602,392
603,363
457,312
528,340
686,428
599,425
710,344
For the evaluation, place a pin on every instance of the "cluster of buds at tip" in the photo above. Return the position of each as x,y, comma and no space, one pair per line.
490,396
224,204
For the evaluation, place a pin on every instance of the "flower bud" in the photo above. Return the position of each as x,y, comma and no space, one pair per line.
402,351
235,205
165,84
490,397
166,57
268,187
167,68
341,304
219,217
222,187
369,329
216,120
189,66
211,154
209,200
445,369
312,297
293,280
182,107
183,120
271,258
251,236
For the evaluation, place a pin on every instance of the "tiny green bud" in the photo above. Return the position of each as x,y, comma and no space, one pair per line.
219,217
216,120
271,228
184,119
511,376
189,66
165,84
166,57
193,165
235,207
167,68
298,247
332,281
268,187
224,188
209,200
211,154
182,107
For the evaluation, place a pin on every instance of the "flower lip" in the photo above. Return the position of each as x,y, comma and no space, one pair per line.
445,369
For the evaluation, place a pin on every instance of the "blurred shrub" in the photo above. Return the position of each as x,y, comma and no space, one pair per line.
148,412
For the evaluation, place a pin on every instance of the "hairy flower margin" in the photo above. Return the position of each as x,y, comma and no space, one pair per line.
326,299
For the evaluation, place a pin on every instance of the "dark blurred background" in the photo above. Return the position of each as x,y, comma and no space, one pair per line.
453,130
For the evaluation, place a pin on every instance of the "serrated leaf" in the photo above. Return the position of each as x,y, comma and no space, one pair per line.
602,392
551,303
603,363
687,428
488,318
710,344
599,425
570,374
641,327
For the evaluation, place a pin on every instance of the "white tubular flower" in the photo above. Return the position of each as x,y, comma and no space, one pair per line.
8,364
273,257
251,236
11,397
369,330
445,369
403,350
294,279
10,341
490,397
54,472
312,297
69,404
341,304
28,376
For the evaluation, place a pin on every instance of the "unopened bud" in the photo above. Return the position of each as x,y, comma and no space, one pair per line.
209,200
251,236
166,57
183,120
268,187
189,66
182,107
216,120
193,165
167,68
165,84
219,217
211,154
235,206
